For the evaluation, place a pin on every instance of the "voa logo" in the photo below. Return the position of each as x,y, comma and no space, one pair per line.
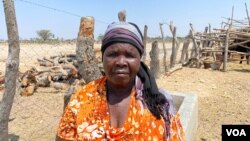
236,132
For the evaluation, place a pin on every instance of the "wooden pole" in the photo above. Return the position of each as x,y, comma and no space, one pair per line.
164,49
209,28
204,43
184,53
195,45
247,14
154,63
232,16
145,43
11,70
171,27
173,55
85,56
226,52
122,16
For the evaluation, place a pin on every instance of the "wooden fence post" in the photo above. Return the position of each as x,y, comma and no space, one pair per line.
85,56
184,52
175,45
204,43
11,71
154,63
226,51
164,48
122,16
195,51
86,60
145,36
173,55
247,14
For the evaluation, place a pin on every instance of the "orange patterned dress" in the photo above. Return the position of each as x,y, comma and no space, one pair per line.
86,118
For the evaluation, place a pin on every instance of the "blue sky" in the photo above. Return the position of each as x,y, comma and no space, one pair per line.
34,16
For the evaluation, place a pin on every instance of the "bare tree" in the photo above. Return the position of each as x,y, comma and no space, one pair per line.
11,70
45,34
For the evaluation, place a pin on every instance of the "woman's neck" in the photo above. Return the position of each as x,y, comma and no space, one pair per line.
116,94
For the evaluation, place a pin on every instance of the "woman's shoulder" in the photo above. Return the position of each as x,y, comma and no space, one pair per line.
91,89
93,86
87,92
169,98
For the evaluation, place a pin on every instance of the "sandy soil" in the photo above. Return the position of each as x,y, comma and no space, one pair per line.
223,97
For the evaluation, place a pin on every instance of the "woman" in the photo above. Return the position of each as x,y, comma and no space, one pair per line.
125,104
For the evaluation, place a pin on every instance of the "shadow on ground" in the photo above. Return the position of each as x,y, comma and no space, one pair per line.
242,70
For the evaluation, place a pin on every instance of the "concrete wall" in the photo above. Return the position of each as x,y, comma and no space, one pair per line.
187,106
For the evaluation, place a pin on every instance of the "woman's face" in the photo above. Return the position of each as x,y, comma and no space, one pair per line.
121,62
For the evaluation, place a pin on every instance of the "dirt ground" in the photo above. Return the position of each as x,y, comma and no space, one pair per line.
223,97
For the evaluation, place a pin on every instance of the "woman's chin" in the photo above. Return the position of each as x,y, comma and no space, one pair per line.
121,81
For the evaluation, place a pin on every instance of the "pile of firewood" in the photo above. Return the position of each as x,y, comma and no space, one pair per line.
56,60
59,72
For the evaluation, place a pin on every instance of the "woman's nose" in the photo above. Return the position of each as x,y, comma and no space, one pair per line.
121,60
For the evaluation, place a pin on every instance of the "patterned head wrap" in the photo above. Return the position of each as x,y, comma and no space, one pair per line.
123,32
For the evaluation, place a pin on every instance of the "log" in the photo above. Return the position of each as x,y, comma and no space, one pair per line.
27,78
73,56
46,63
194,63
72,69
174,69
43,80
29,90
56,61
59,86
244,46
47,59
246,35
58,69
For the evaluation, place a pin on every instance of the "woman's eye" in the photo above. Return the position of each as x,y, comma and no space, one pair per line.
130,55
113,54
